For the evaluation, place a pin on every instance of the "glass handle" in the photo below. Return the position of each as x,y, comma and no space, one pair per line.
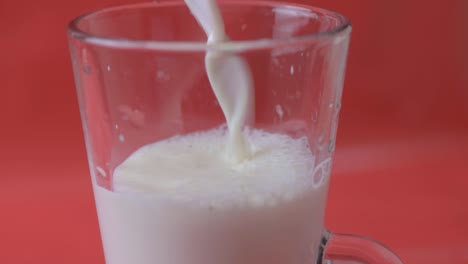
352,249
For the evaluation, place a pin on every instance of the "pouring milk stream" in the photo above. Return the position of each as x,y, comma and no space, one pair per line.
230,78
177,201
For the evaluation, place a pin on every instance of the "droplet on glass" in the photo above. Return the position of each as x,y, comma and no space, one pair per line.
276,61
321,172
320,147
279,111
101,171
320,138
108,68
122,138
331,146
314,117
162,75
134,116
87,69
291,70
85,61
243,27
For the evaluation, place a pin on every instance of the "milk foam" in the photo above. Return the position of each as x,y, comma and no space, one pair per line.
190,168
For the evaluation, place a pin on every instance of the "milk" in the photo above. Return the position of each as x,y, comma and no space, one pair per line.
230,78
178,202
230,195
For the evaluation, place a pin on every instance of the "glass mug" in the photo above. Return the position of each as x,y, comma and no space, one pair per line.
140,76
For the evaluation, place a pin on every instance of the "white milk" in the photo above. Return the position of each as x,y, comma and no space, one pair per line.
224,196
178,202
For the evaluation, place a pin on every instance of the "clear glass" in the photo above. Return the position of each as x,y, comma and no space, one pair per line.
140,77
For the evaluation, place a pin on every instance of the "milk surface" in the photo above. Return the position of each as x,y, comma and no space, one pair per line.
191,170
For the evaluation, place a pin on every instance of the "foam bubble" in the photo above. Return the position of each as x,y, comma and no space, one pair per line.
191,168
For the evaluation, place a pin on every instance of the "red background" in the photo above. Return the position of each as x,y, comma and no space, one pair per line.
401,170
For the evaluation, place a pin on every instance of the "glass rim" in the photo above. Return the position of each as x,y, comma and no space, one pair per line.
75,32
